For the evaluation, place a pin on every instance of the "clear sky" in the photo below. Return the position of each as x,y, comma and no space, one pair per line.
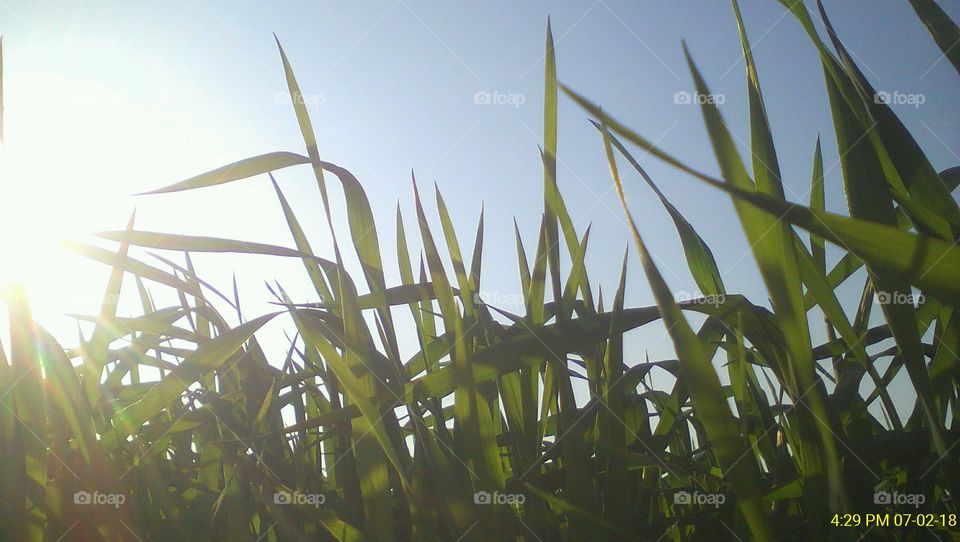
106,99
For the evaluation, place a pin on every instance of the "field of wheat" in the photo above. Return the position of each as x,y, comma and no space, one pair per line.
479,434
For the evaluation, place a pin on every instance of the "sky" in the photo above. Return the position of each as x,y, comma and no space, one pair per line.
107,99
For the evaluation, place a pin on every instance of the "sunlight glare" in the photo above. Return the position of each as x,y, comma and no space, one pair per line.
67,169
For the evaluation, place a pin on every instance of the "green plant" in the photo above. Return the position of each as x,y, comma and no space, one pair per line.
381,446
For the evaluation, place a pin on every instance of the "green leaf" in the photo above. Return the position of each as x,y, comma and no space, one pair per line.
700,258
195,243
772,243
131,265
943,30
236,171
703,383
303,245
306,130
208,356
926,262
818,202
548,156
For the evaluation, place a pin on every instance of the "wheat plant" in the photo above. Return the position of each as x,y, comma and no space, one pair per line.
479,434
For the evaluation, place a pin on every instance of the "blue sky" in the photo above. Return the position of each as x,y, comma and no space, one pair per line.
111,98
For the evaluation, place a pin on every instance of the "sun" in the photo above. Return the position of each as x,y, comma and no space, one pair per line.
30,220
72,152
